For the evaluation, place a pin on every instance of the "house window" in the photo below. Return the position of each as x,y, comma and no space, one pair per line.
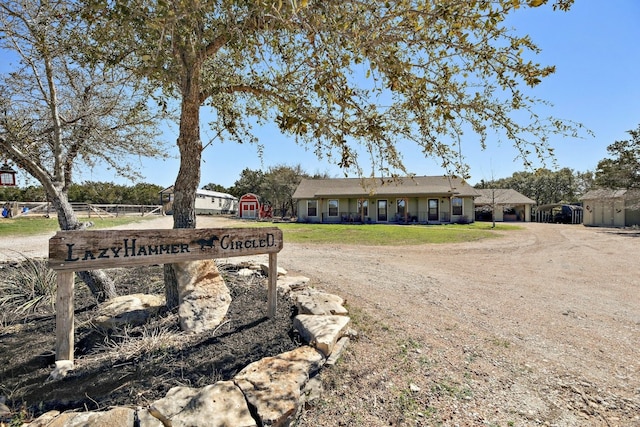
333,208
456,206
401,206
312,207
363,207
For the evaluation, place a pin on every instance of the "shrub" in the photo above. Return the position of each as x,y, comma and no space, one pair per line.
28,287
463,220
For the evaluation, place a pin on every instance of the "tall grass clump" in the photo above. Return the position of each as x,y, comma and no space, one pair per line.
28,287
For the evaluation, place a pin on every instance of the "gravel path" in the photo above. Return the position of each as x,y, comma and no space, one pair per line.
538,327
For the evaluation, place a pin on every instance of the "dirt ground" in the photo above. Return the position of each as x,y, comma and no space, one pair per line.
540,326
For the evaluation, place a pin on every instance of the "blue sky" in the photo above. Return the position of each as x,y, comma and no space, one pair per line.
596,52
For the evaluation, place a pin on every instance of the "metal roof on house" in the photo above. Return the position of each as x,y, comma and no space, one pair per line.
502,196
378,187
218,194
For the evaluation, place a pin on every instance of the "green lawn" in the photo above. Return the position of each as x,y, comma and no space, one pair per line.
370,234
29,226
387,235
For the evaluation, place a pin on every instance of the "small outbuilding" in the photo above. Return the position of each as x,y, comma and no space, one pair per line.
559,213
207,202
605,207
249,206
507,204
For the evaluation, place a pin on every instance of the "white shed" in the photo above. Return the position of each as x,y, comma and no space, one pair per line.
605,207
207,202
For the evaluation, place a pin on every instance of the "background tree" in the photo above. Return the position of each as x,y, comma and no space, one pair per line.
215,187
546,186
143,193
341,76
250,181
279,185
110,193
57,115
622,171
275,186
583,181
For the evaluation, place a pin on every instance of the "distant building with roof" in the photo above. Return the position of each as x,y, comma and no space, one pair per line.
207,202
607,207
507,204
418,199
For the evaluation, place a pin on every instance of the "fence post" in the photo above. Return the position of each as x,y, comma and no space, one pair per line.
272,292
64,315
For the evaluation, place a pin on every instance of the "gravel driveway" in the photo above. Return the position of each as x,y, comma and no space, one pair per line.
538,327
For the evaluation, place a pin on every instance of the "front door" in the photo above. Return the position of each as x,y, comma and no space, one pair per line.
433,210
382,210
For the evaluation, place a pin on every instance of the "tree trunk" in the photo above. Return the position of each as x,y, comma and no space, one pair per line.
101,285
190,146
172,296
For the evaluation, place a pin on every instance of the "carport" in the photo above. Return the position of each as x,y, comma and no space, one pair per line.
559,213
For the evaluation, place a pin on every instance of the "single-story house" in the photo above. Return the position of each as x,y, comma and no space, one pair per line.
606,207
207,202
418,199
510,205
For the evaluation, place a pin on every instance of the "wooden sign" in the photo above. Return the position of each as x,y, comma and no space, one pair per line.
91,250
71,251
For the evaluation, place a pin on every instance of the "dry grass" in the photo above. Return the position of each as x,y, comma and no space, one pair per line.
27,288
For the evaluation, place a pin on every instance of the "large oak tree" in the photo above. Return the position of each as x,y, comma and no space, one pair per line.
345,77
59,116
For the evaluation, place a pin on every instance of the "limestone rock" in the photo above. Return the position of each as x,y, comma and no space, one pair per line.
312,391
219,405
265,270
114,417
322,332
44,419
291,283
246,272
145,419
320,303
204,297
174,401
59,420
134,309
337,351
63,367
4,410
273,385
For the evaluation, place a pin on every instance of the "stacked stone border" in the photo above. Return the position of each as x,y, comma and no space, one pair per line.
268,392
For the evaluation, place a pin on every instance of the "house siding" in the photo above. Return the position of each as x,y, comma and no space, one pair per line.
415,191
417,210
